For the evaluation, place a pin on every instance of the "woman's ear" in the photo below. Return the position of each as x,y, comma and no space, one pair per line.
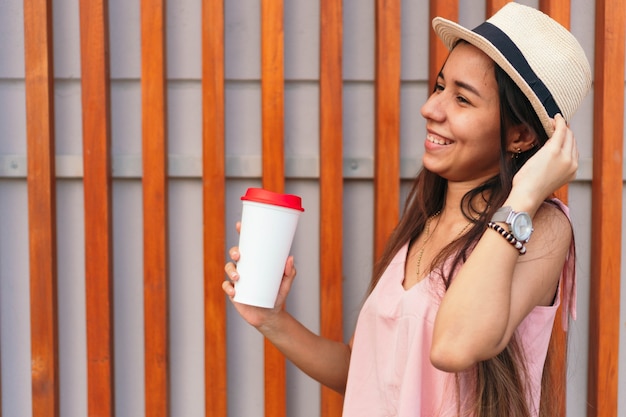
520,139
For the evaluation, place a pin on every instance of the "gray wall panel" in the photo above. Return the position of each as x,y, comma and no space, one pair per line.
242,39
15,361
128,298
71,298
125,39
66,38
302,47
12,117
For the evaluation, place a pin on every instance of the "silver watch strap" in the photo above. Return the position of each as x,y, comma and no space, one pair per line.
502,214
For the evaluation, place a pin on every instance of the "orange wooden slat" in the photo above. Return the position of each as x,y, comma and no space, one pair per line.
387,124
272,114
493,6
437,52
154,148
98,210
39,84
604,314
560,11
213,187
273,91
331,185
557,366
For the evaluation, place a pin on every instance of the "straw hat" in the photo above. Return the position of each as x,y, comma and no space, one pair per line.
541,56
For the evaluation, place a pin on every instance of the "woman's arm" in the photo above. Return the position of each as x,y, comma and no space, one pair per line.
496,288
322,359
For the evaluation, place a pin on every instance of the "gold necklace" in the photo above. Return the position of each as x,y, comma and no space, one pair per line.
420,254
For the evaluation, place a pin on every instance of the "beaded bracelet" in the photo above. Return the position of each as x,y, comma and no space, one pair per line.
509,237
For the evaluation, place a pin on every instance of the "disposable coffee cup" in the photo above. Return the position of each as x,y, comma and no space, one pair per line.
268,225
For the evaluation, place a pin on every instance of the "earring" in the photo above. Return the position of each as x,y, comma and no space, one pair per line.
517,153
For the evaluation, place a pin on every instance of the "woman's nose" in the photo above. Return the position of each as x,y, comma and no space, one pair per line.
433,108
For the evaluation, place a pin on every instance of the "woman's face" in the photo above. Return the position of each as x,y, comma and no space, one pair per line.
463,118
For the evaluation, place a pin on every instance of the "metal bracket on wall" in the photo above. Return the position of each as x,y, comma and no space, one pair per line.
245,166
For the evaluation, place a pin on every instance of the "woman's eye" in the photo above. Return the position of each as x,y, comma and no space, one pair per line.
462,100
438,87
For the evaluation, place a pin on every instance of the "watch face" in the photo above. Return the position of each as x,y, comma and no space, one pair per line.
522,227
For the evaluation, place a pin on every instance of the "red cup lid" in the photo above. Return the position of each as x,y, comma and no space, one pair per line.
260,195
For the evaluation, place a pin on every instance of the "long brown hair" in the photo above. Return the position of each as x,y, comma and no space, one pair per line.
500,382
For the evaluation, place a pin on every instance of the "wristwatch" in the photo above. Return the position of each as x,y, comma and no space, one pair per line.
520,223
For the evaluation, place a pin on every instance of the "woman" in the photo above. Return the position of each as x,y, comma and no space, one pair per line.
462,301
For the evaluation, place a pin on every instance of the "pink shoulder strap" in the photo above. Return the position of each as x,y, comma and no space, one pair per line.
568,277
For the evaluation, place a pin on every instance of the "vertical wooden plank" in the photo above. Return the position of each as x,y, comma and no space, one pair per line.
94,44
273,90
272,114
493,6
213,198
331,185
387,124
41,206
154,148
557,365
437,52
604,314
560,11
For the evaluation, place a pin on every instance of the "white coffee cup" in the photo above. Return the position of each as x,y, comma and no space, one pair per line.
268,225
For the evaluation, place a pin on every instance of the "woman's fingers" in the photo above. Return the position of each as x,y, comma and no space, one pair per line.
553,166
560,128
234,253
228,288
289,266
230,267
285,285
563,138
231,271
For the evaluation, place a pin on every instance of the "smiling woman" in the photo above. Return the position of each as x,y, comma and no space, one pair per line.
72,284
462,118
457,322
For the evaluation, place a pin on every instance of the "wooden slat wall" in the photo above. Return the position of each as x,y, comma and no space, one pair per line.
154,153
331,185
606,192
607,184
437,51
98,206
387,122
559,10
493,6
272,118
41,206
214,206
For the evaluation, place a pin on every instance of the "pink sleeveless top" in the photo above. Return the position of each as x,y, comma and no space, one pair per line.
390,370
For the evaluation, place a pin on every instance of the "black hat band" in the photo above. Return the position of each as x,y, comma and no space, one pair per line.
511,52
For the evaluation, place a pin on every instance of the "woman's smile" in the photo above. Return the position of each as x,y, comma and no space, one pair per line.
438,140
